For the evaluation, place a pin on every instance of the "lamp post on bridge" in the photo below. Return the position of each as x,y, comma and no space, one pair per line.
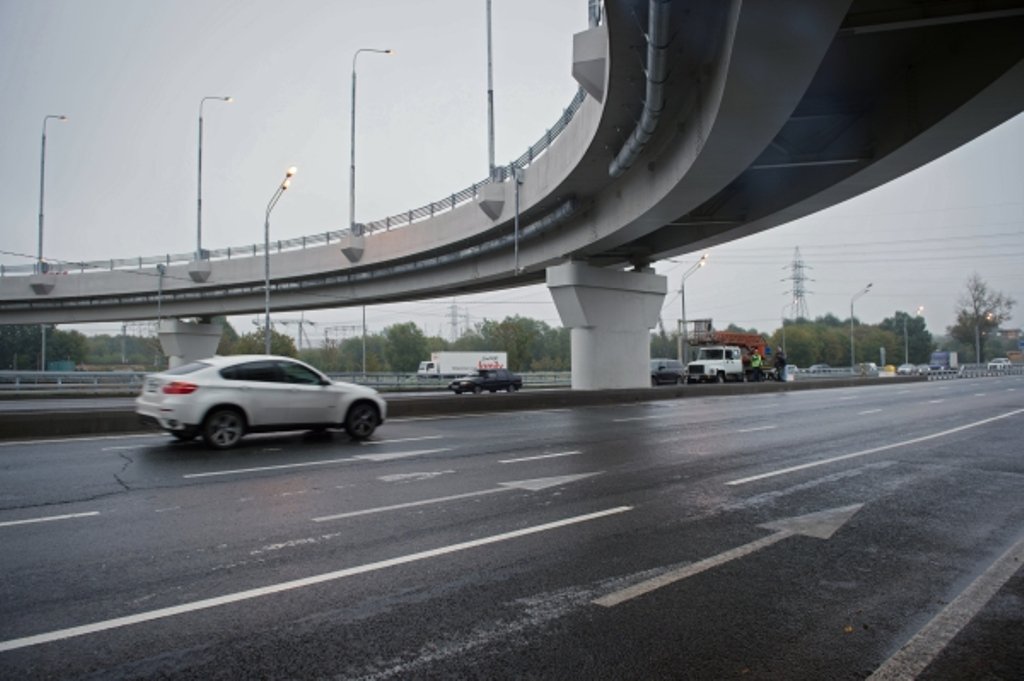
352,169
40,264
199,192
683,345
857,295
266,254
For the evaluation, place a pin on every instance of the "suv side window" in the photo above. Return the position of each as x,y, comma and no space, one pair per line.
296,373
262,371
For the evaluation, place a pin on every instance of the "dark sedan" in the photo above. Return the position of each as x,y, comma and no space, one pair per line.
491,380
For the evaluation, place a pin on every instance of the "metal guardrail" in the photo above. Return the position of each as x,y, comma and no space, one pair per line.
501,174
92,382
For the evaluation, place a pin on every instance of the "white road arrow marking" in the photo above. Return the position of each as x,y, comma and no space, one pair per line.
534,485
820,525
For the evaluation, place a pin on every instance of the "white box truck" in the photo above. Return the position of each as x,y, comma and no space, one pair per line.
452,364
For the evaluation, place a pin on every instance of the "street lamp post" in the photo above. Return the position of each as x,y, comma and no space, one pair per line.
857,295
782,313
683,345
977,336
199,192
40,266
266,255
906,342
352,143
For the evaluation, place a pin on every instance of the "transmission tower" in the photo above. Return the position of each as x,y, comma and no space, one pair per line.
799,292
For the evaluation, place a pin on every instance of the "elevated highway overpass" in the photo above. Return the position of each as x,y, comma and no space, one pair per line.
697,123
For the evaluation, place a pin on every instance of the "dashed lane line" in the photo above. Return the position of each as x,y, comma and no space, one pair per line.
873,450
47,519
238,596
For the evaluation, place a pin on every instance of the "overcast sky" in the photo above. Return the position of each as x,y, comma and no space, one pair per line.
121,173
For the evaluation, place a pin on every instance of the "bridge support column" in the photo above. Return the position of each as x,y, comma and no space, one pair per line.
610,314
185,342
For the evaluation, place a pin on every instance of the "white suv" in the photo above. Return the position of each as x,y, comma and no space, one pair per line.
223,398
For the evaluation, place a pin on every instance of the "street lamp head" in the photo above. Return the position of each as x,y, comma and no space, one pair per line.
229,99
62,117
291,171
389,51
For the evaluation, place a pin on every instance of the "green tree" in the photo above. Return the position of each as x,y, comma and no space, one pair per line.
254,344
979,312
405,348
66,345
919,343
20,345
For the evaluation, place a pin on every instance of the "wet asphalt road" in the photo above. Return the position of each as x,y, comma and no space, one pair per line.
642,541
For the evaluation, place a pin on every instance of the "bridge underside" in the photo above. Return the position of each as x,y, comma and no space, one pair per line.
758,113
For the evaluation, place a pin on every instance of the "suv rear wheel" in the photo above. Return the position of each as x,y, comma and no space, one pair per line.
223,428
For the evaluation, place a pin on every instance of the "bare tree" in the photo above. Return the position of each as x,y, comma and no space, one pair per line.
978,312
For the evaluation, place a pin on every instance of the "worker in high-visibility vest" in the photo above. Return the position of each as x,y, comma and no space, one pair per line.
755,364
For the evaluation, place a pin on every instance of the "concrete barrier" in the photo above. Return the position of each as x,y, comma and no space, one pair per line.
24,424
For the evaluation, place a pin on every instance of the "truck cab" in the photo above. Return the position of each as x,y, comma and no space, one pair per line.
716,364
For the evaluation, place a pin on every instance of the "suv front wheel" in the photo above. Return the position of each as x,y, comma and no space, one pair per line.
362,419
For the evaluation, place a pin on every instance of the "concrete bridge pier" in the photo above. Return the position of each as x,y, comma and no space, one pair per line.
610,314
184,342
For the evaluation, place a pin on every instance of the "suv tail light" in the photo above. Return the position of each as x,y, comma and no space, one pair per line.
180,388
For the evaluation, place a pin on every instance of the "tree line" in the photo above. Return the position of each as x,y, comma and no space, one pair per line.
534,345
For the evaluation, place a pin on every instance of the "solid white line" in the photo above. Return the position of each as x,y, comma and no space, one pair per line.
919,651
259,469
868,411
367,443
96,438
410,504
757,429
119,447
873,450
542,456
654,583
51,518
936,401
105,625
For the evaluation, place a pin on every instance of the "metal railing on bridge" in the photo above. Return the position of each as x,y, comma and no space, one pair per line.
450,202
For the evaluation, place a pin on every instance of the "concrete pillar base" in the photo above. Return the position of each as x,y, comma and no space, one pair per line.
610,314
185,342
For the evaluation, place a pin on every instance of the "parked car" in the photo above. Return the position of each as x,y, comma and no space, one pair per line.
667,372
492,380
999,364
223,398
906,370
923,369
818,368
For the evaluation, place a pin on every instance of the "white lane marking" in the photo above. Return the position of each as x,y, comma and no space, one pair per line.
979,394
96,438
399,455
119,447
167,510
410,504
541,456
756,429
258,469
238,596
873,450
820,525
643,418
868,411
367,443
534,485
29,521
936,401
848,397
919,651
1011,390
414,477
